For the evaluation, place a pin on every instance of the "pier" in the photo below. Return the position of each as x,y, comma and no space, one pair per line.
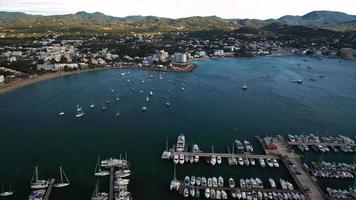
223,155
304,181
49,189
111,184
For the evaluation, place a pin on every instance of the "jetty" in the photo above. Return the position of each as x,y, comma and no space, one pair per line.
111,184
222,155
303,180
49,189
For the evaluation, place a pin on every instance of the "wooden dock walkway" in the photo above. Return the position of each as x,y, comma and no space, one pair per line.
111,184
49,189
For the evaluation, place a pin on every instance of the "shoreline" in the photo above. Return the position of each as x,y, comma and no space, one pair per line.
8,87
39,78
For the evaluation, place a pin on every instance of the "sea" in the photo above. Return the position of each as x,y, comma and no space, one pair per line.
207,105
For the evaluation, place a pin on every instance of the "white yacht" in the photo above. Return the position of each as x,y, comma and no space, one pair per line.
180,143
241,161
181,159
5,193
272,183
220,181
231,183
218,159
176,159
215,182
275,163
80,112
207,193
144,108
151,93
213,160
37,183
167,104
244,87
92,106
122,173
262,162
63,182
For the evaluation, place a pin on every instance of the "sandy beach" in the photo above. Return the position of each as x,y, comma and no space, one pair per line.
24,82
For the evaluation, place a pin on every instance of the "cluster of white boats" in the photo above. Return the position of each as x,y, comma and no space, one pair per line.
39,186
332,170
322,144
215,188
246,146
79,109
121,180
342,194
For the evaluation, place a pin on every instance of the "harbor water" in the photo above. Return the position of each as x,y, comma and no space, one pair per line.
207,105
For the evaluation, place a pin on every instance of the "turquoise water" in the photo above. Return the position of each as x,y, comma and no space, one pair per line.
212,110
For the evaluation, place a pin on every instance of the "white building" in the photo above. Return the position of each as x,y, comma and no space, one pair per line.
2,79
56,66
218,52
180,58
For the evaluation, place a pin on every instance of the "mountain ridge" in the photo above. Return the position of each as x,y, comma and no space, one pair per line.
320,19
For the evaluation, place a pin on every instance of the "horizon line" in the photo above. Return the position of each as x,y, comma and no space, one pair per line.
73,13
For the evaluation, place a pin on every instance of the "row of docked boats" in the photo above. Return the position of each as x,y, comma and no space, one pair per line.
121,180
341,194
250,161
246,146
258,195
255,183
332,174
322,143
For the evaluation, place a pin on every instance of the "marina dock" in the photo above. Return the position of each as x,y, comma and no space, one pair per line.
111,184
223,155
49,189
303,180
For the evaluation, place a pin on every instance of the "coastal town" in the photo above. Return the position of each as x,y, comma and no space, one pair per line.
172,100
28,58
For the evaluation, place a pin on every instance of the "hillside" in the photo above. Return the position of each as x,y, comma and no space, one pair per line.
92,22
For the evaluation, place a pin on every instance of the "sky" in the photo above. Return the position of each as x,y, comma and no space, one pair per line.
257,9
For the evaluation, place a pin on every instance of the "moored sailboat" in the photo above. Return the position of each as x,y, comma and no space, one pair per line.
62,183
98,171
37,183
5,193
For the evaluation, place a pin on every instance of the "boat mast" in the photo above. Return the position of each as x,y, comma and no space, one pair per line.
166,143
60,172
174,172
36,174
233,149
2,186
98,165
